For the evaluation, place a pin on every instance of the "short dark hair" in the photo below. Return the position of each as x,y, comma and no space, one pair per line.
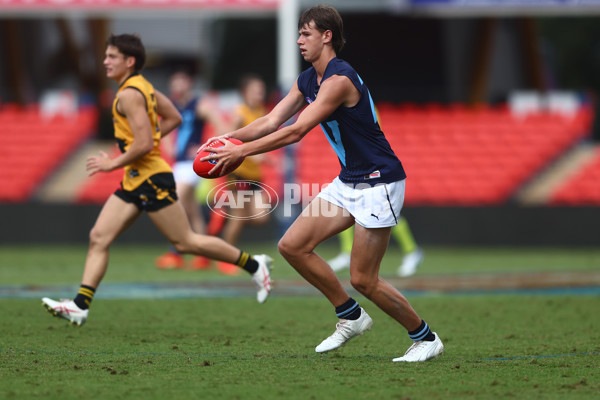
182,71
247,79
325,18
131,46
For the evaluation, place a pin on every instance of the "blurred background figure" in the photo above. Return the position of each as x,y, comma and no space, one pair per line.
247,176
197,111
413,254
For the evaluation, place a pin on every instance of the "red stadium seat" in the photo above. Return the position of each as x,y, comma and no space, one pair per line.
583,188
34,146
459,155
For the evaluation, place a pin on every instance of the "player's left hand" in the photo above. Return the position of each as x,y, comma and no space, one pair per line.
210,140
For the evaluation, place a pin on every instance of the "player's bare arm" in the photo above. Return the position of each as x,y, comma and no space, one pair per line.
170,117
208,111
331,96
335,91
132,104
236,122
284,110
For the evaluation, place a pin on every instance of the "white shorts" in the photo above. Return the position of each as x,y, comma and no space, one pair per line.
378,206
183,171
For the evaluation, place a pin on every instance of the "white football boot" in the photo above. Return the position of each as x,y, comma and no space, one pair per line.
262,277
345,330
66,309
410,262
340,262
422,350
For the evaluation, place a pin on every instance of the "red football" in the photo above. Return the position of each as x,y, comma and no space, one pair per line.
201,168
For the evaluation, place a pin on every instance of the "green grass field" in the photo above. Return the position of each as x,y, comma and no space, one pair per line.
497,345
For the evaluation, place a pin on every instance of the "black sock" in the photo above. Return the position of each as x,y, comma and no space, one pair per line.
84,297
348,310
247,263
422,333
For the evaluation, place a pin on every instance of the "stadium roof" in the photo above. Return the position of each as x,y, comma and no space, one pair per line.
250,8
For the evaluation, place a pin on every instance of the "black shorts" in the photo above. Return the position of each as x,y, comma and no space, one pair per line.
155,193
242,183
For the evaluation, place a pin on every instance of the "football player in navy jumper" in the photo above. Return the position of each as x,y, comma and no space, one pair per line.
368,193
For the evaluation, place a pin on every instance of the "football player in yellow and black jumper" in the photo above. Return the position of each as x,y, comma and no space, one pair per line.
147,184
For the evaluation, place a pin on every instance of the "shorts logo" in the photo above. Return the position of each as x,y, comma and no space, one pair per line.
376,216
